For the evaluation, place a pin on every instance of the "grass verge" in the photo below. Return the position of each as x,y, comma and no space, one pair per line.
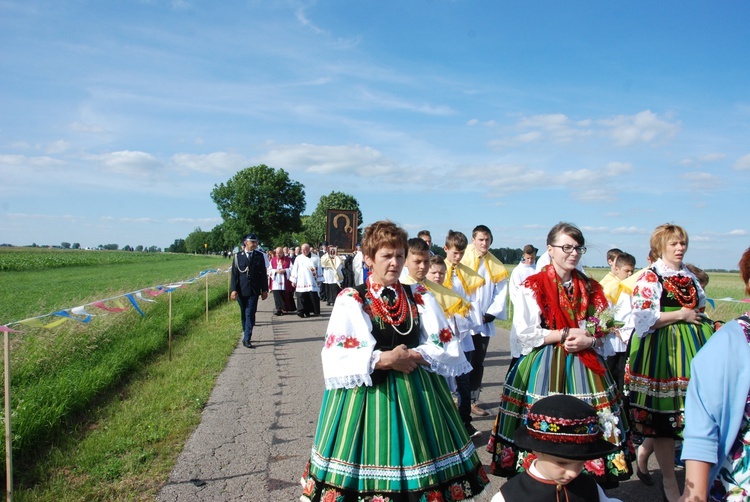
125,447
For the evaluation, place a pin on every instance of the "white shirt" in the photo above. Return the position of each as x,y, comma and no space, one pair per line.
305,274
490,299
519,274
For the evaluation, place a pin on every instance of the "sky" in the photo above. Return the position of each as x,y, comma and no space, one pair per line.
118,118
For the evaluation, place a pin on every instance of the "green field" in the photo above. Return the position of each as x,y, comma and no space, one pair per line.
57,374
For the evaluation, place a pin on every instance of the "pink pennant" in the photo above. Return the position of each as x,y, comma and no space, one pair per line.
6,329
108,309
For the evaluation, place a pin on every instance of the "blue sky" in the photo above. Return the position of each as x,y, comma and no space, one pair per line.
118,118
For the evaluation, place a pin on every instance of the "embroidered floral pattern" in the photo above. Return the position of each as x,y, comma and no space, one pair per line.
344,341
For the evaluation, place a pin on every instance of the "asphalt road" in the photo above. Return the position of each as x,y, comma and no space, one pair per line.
258,425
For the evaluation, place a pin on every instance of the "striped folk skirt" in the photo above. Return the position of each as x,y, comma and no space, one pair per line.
657,377
399,440
550,370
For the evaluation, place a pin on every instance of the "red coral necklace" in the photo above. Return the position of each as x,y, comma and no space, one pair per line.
682,287
391,314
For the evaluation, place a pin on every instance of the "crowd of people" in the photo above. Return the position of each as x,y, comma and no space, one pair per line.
603,374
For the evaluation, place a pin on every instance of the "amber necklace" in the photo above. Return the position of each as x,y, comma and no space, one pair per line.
391,314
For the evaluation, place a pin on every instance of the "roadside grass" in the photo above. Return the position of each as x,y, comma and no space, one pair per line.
125,446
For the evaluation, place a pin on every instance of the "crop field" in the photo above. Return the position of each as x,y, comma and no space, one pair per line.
58,372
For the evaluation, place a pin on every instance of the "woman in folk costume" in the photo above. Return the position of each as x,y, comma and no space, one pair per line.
558,357
670,328
388,428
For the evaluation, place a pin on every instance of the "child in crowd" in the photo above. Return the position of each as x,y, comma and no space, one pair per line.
616,343
563,433
523,271
612,255
464,281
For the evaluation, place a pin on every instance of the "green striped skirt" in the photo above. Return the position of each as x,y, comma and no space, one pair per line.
658,375
399,440
550,370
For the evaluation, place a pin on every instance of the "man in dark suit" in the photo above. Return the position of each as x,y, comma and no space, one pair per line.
249,281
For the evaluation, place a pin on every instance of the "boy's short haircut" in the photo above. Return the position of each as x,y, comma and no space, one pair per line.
624,259
424,232
484,229
437,260
530,250
417,245
699,273
613,253
456,240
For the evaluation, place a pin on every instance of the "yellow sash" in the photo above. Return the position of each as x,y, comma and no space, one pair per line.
470,280
612,288
451,302
494,266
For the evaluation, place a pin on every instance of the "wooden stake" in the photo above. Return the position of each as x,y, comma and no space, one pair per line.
8,435
170,326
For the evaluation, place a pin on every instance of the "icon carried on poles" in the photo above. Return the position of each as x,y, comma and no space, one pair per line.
341,229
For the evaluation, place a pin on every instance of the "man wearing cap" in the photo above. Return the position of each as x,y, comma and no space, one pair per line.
249,281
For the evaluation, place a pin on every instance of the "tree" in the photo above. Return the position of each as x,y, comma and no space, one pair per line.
315,225
139,248
76,245
65,245
262,200
177,247
194,242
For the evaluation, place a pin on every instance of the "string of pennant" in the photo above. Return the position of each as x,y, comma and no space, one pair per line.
119,303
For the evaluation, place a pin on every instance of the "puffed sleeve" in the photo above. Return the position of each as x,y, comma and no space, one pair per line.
527,319
646,302
349,346
438,345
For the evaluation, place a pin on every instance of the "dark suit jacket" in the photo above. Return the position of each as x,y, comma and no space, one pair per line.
249,274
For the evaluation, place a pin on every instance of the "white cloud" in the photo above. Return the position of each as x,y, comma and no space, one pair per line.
24,161
130,163
643,127
630,230
58,146
701,181
330,159
737,233
742,164
702,159
212,163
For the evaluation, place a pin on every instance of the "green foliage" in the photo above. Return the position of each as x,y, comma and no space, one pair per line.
59,373
34,259
194,242
315,225
178,246
262,200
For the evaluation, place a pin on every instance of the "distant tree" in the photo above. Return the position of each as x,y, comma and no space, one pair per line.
111,247
139,248
154,249
127,248
438,250
315,225
194,242
76,245
177,247
217,239
259,199
65,245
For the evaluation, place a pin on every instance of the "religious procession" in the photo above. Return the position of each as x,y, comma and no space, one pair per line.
603,374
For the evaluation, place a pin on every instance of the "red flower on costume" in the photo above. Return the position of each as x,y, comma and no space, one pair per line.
507,458
595,466
650,276
646,304
356,296
457,492
350,342
418,299
330,340
483,474
647,293
528,460
446,335
330,496
435,496
309,487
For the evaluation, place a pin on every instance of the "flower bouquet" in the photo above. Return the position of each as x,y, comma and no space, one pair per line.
603,322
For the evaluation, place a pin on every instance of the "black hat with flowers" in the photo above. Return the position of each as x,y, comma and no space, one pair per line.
563,426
